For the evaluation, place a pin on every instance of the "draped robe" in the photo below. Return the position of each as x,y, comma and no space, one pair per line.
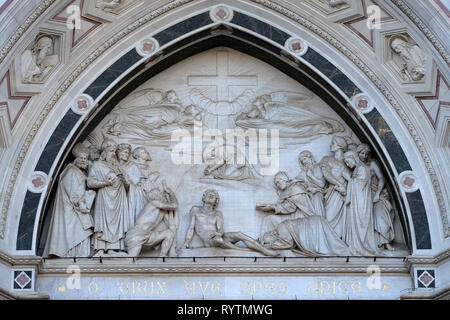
72,225
359,221
111,215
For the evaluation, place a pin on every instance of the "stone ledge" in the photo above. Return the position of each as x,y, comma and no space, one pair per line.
7,295
428,294
223,265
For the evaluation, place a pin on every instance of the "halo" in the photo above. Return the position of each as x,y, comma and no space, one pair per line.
398,36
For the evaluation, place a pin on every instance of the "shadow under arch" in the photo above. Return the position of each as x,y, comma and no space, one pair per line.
245,42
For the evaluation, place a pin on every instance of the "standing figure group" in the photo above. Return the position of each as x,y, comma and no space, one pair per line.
346,190
97,213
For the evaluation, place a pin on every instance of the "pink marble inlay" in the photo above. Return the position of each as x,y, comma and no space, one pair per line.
82,104
363,104
23,279
296,46
221,14
408,181
147,47
37,182
426,279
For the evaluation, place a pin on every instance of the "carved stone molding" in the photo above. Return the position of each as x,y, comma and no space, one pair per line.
202,265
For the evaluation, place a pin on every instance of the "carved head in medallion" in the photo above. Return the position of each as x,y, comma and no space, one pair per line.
399,44
43,48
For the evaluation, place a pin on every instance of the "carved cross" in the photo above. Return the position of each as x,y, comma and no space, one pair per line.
222,80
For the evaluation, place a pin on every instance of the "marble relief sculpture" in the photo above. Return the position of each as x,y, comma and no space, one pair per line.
207,222
140,179
111,204
383,224
284,111
72,224
294,202
313,180
108,5
358,230
155,225
413,66
336,3
37,62
309,236
338,204
334,169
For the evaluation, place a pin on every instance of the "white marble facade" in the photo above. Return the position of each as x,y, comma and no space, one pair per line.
316,183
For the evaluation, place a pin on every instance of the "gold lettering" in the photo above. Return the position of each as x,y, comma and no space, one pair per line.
316,289
282,287
245,285
215,287
356,286
93,288
123,287
190,287
269,287
200,284
344,291
327,291
161,288
144,288
257,285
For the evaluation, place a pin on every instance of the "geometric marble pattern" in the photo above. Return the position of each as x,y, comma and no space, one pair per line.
444,5
4,5
86,25
359,25
14,104
426,279
22,280
432,104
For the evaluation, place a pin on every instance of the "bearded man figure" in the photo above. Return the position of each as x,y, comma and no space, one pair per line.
111,206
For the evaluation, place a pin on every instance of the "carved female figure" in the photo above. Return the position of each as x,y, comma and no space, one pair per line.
359,222
333,169
312,178
384,229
